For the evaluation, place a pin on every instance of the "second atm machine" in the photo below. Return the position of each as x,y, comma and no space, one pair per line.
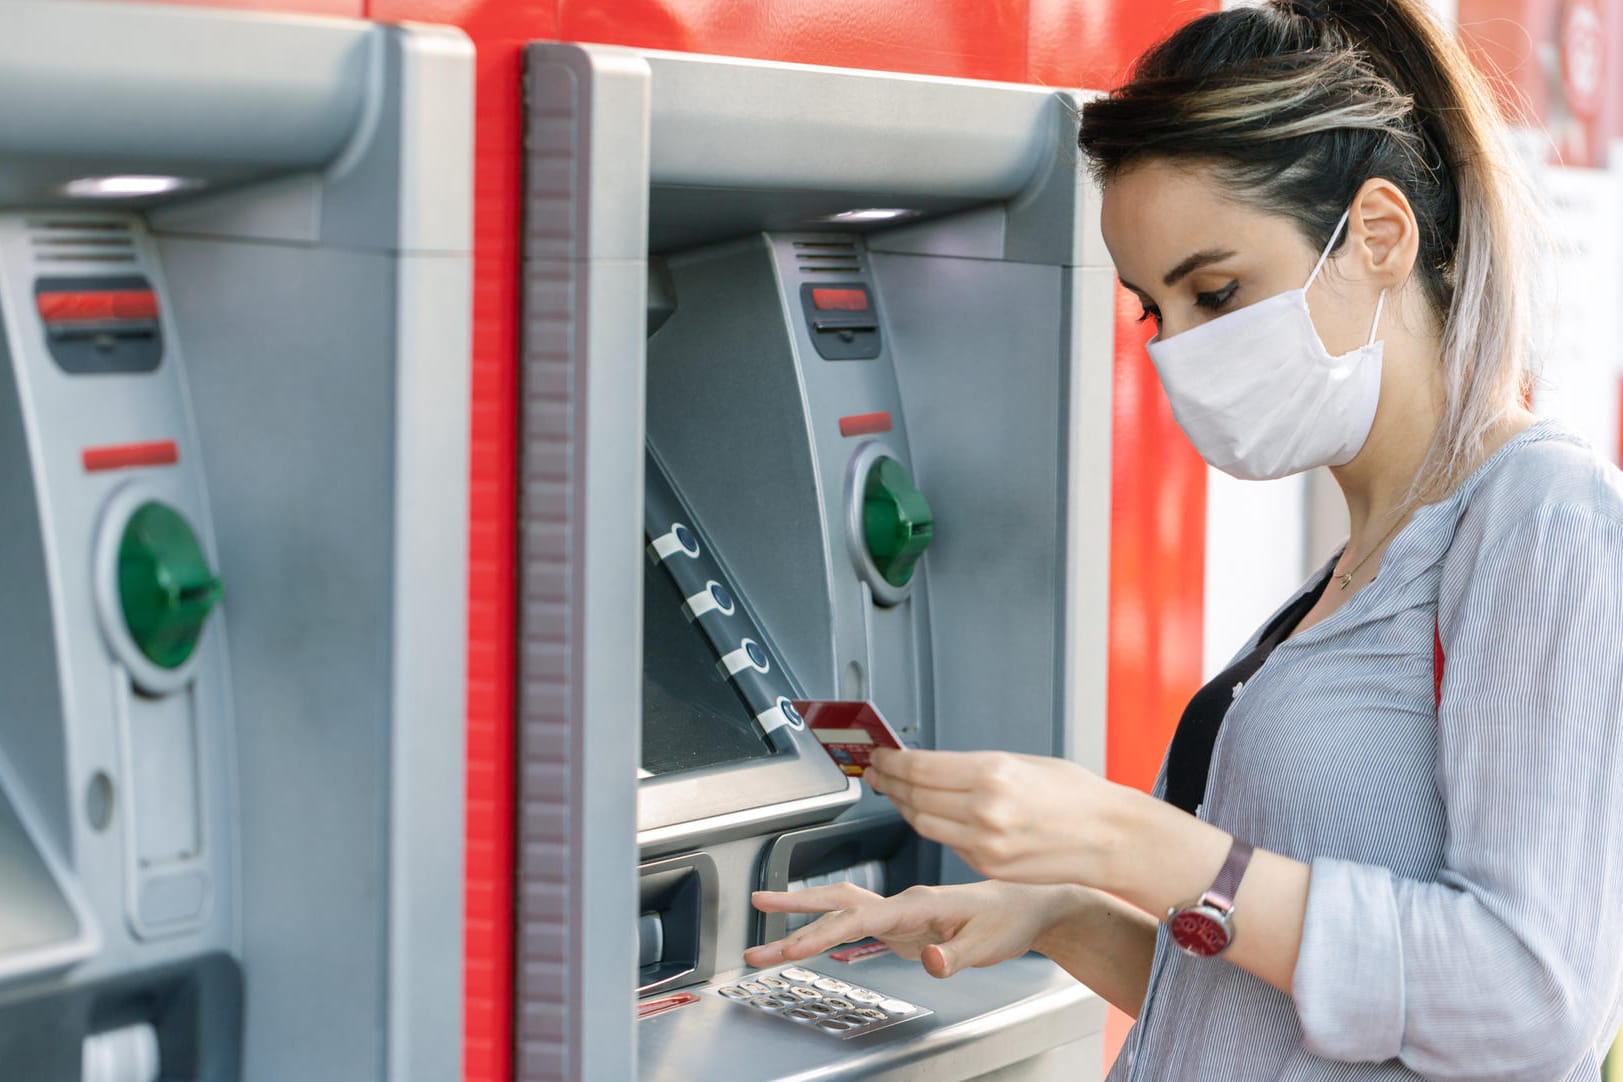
816,405
235,263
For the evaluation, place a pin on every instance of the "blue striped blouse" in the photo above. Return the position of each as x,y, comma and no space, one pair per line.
1465,918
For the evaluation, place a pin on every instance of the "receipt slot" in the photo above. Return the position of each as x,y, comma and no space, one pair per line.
235,270
839,343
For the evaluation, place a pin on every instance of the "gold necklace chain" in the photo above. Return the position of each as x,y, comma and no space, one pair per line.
1344,579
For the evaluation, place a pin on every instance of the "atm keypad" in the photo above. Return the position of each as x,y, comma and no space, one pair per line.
821,1002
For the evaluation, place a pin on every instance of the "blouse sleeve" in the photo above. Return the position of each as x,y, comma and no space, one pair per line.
1508,966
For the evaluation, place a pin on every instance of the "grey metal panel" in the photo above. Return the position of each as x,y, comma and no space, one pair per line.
732,123
297,421
303,81
988,449
580,582
433,412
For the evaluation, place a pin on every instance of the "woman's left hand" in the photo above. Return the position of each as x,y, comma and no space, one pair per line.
1021,818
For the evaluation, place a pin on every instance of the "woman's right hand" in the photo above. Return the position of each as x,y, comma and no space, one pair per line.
948,929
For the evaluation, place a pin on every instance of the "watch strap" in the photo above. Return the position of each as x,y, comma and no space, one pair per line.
1227,884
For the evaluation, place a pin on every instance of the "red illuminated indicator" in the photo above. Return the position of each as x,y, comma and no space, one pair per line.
124,456
649,1008
97,305
858,953
865,424
840,300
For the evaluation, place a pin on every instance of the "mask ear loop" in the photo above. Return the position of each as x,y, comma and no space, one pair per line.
1336,232
1380,301
1376,325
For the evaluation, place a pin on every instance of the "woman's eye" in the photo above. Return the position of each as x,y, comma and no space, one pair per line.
1217,298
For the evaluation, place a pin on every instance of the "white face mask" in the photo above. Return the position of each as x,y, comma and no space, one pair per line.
1259,395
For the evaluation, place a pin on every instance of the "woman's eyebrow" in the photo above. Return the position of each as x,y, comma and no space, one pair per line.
1194,263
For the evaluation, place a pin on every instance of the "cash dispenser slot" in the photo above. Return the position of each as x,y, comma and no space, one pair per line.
676,928
879,856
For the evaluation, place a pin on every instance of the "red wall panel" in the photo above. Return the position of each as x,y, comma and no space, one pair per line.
985,40
1093,43
499,28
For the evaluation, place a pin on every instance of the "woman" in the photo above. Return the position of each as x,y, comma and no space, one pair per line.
1423,746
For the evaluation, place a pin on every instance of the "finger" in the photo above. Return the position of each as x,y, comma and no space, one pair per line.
935,769
955,804
812,899
767,954
841,926
960,837
973,946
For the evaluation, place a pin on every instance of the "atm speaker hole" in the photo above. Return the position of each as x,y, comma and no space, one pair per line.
99,801
855,684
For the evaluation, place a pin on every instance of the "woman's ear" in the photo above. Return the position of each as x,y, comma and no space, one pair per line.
1384,234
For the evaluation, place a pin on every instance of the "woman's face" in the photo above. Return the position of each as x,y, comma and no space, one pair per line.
1190,255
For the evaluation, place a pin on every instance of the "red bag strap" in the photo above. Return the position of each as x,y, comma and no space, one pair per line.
1437,660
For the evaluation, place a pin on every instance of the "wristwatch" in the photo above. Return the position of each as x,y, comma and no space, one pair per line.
1205,927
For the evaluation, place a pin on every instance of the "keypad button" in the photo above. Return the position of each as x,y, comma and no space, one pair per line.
800,1015
862,995
837,1003
834,1025
869,1014
829,984
817,1008
763,1002
734,992
754,988
898,1006
795,973
805,993
784,1000
774,982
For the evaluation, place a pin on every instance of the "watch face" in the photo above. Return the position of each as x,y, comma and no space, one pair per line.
1200,930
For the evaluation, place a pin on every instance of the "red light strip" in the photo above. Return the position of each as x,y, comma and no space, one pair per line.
665,1003
840,300
865,424
124,456
97,305
859,952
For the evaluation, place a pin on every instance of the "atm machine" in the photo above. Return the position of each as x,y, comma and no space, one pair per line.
815,389
234,294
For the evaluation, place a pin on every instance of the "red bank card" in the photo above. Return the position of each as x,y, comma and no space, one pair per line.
849,732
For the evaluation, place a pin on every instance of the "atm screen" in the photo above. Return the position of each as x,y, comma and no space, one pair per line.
692,717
